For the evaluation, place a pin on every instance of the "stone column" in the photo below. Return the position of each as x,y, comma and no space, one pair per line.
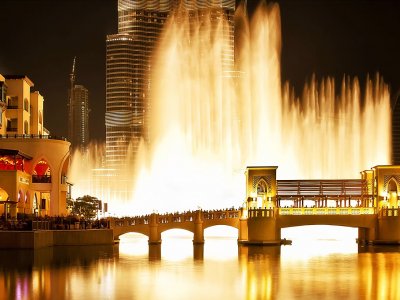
263,229
154,233
198,251
198,237
243,229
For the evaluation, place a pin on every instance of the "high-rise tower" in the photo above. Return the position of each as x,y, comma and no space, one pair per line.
78,114
396,129
128,65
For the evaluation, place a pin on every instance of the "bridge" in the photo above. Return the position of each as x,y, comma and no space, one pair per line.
370,204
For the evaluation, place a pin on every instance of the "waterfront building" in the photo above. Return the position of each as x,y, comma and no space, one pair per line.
78,114
33,164
129,62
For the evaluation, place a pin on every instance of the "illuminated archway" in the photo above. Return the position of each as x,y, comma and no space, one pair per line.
35,204
392,193
4,199
3,195
21,197
263,189
27,201
41,172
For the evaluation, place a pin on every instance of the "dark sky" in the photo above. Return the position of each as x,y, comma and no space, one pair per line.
39,38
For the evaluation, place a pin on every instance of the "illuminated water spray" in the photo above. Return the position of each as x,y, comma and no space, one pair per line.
209,121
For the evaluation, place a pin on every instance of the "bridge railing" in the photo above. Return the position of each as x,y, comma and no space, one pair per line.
188,216
261,212
131,221
389,212
220,214
175,218
327,211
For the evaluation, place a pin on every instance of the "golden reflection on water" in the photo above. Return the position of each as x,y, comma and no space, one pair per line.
386,265
320,268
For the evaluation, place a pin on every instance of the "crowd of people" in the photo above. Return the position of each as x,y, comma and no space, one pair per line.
31,222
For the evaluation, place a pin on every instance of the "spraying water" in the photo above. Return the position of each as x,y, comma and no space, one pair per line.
210,119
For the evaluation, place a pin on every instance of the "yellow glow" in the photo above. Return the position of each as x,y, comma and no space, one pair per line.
199,148
177,245
134,244
220,243
312,241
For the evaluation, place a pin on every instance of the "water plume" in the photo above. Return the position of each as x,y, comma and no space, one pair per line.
210,119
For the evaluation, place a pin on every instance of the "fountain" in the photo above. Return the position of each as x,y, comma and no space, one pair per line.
210,120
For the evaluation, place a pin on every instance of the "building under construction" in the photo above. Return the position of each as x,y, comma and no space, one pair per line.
78,114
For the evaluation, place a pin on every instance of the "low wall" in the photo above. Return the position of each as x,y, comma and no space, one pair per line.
48,238
83,237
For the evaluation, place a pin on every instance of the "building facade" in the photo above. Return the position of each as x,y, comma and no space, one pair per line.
33,164
78,114
129,63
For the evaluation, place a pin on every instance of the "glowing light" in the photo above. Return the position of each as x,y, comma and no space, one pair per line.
177,245
210,121
220,243
318,240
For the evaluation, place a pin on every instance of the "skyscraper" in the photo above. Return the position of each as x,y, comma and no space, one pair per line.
128,65
396,129
78,114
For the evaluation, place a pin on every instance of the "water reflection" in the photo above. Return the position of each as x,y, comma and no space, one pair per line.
133,270
259,266
49,273
378,270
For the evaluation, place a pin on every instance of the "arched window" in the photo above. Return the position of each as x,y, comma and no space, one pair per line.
41,172
26,127
392,185
262,190
262,187
392,191
40,118
20,196
26,105
3,195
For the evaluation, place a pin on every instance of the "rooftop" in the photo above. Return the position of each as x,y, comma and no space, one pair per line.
26,78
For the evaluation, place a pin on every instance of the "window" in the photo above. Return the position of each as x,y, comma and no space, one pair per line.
26,127
13,102
26,105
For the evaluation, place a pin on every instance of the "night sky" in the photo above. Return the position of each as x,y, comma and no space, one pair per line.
39,38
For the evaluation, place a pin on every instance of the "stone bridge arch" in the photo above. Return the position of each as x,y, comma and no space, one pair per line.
187,226
225,222
120,230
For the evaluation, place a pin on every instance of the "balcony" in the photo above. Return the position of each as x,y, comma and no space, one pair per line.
41,178
30,136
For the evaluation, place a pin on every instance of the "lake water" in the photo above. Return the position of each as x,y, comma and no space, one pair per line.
318,265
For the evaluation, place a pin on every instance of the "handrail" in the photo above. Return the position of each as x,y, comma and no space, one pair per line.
290,211
32,136
389,212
